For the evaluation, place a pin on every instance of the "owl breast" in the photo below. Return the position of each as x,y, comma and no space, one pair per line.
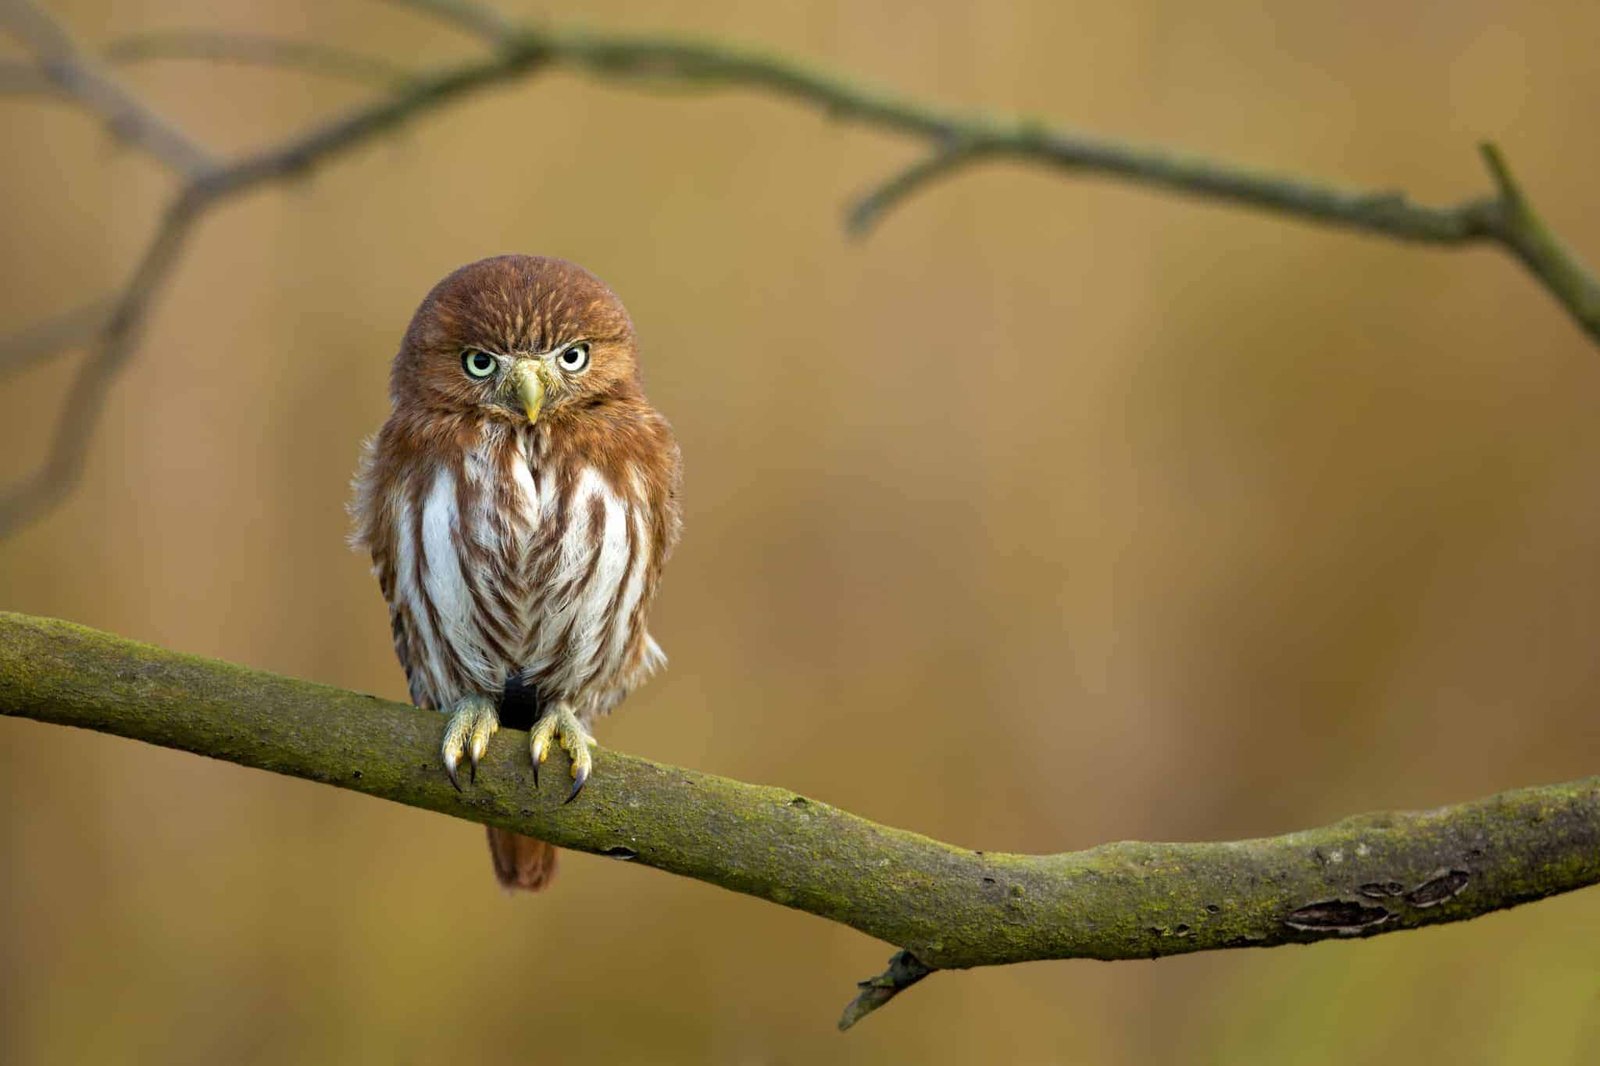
509,567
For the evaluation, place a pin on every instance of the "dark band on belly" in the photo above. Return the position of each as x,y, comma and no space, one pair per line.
519,704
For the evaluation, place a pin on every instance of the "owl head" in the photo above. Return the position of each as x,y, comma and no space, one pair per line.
516,338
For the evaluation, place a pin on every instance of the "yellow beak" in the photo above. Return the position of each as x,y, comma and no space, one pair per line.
528,383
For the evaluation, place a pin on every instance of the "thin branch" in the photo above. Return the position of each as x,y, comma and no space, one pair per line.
964,138
1387,213
43,339
1518,226
26,79
38,492
76,75
956,141
905,970
422,94
256,50
947,906
86,398
869,209
475,19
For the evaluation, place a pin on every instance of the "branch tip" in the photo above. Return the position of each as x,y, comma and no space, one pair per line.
1511,195
871,206
905,970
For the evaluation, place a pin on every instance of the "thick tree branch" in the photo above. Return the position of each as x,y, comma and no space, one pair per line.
955,140
946,907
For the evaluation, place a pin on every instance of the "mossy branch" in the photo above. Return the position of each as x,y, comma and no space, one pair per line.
952,140
946,907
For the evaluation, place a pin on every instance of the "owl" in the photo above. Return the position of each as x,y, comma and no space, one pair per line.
518,504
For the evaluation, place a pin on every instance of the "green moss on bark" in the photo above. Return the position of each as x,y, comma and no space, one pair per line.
950,907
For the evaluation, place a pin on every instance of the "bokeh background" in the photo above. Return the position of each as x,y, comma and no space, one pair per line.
1055,512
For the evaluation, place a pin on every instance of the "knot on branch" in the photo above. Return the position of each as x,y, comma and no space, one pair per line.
1342,917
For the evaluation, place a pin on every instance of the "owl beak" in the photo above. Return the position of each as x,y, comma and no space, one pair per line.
528,386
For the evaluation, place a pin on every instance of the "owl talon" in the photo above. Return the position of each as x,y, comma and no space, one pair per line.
580,777
539,746
562,727
472,722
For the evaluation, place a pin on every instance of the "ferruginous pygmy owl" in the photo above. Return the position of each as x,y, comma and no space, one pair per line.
518,505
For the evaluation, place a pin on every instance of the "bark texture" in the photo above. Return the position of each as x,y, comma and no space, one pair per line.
948,906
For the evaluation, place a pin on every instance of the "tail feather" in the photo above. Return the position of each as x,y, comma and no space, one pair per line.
521,861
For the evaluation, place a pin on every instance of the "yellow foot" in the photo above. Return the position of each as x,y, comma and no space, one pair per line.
472,722
562,726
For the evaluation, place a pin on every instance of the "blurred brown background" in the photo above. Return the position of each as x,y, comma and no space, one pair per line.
1053,513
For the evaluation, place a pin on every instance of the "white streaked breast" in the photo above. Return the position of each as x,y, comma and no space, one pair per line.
597,597
581,587
446,586
622,633
425,674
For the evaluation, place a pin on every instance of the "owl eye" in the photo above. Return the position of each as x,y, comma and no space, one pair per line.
478,364
575,358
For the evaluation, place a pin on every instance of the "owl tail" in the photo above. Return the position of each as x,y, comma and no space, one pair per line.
521,862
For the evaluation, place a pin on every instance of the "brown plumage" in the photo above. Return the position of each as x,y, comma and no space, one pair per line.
518,505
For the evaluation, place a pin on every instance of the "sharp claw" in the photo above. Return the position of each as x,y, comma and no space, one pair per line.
581,764
562,727
472,723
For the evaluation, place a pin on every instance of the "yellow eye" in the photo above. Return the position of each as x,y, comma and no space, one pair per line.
478,364
575,359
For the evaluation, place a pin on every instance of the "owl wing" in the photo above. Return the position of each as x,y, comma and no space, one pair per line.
400,628
377,515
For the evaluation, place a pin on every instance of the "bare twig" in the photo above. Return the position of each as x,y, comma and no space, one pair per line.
312,57
946,907
956,140
20,79
43,339
117,341
47,485
475,19
869,208
77,76
418,96
1516,225
905,970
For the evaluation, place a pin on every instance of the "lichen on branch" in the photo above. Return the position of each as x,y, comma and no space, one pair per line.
947,907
